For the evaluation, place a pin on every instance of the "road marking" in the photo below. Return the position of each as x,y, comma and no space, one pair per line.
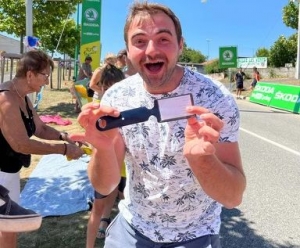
271,142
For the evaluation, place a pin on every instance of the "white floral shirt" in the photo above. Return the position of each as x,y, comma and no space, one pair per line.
163,199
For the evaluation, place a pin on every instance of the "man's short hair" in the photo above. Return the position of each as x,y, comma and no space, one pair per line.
88,58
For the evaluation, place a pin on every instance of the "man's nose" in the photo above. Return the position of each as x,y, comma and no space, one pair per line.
151,48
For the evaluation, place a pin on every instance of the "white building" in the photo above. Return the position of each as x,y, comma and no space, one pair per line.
9,45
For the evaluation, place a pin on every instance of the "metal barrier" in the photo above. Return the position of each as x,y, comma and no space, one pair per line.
65,68
6,59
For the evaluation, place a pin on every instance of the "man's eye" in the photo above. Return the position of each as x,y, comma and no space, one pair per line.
164,40
140,41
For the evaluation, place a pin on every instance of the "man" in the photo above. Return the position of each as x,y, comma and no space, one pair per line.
179,173
86,69
256,78
239,79
85,72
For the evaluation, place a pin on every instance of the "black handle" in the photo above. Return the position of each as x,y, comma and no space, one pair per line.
125,118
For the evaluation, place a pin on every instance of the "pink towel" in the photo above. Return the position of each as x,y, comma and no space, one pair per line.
56,119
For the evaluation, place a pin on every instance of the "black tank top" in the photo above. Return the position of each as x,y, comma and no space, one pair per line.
12,161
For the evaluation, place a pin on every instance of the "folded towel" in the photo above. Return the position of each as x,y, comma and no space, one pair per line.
56,119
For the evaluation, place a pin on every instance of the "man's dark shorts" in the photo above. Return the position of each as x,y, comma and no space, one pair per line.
253,84
239,85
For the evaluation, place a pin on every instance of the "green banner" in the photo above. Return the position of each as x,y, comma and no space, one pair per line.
228,57
263,93
286,97
90,32
281,96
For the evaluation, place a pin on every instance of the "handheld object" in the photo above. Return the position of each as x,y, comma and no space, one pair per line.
165,109
86,150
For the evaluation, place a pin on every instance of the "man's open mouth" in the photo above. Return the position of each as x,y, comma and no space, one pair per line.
154,67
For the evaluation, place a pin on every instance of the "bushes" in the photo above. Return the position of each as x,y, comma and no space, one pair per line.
213,67
272,74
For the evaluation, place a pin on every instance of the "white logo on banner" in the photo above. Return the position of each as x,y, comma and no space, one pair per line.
91,14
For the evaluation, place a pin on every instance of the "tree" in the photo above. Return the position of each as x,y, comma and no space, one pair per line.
284,51
64,40
262,52
48,21
290,15
190,55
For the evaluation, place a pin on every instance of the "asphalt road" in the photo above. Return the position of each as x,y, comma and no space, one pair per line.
270,213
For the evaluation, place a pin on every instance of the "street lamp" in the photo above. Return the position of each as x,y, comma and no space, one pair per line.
29,18
297,71
208,40
29,32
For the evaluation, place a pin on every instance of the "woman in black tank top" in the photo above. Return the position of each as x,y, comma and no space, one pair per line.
19,121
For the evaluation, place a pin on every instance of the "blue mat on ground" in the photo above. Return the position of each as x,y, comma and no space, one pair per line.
58,186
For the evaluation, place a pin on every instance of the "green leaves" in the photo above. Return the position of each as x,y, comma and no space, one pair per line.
48,22
191,55
290,15
284,51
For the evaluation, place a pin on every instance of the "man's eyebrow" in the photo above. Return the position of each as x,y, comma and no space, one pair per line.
161,31
165,31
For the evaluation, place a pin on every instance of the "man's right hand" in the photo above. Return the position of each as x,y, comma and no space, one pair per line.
87,119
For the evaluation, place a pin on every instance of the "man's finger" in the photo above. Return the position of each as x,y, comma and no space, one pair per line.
196,110
77,137
213,121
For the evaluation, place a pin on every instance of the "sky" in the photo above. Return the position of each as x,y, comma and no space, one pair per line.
248,25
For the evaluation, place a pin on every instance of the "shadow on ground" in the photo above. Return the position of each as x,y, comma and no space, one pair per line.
236,232
58,102
64,109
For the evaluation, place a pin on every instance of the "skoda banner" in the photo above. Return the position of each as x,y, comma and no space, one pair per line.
90,32
287,97
228,57
281,96
263,93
